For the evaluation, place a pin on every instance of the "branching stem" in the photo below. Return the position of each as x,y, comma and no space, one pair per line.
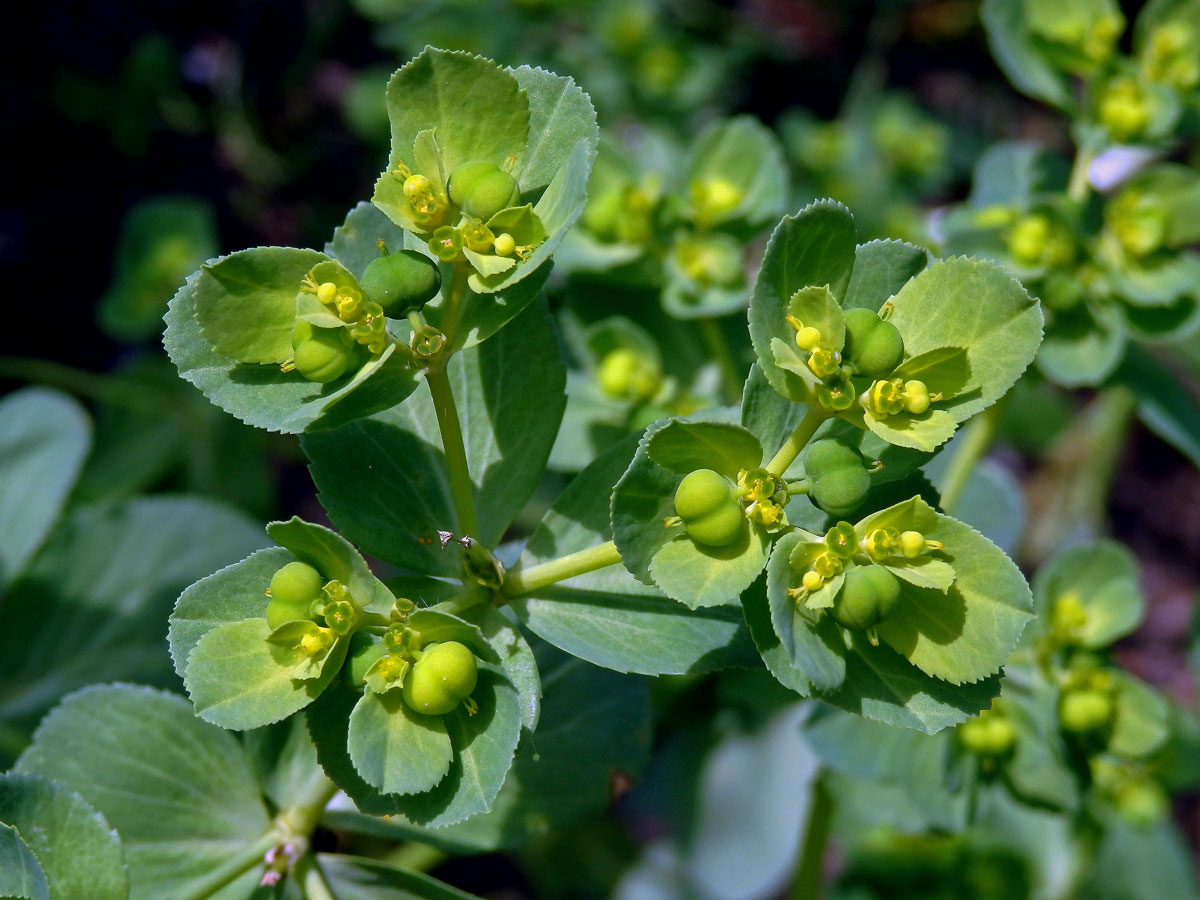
795,443
977,437
527,581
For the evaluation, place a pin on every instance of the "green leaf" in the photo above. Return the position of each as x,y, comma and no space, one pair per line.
181,793
1136,863
881,268
475,108
20,875
393,748
812,644
699,576
383,480
1141,724
1001,335
642,499
354,241
107,580
742,152
560,116
816,306
1101,579
1013,47
514,654
767,414
966,633
335,558
44,438
813,247
483,744
353,878
264,396
246,302
1083,346
79,854
238,680
684,446
162,240
992,502
608,617
1164,405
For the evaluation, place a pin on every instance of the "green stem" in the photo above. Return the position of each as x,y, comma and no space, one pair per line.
1077,186
452,312
977,437
806,884
527,581
461,488
799,486
301,817
309,874
233,868
795,443
718,346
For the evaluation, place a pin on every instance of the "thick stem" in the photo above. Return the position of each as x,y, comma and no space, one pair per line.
718,346
233,868
417,857
520,582
977,437
301,818
795,443
461,488
806,884
1077,186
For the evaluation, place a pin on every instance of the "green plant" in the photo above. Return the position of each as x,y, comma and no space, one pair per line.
409,674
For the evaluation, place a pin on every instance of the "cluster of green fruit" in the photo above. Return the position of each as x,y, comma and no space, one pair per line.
434,677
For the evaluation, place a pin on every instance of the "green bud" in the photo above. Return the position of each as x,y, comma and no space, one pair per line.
322,354
873,346
1124,109
293,590
842,540
706,503
990,734
482,189
1085,709
868,596
837,476
446,243
401,282
625,375
340,616
442,677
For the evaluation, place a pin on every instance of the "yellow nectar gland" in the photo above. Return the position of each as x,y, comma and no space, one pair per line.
881,543
349,305
807,337
314,643
827,565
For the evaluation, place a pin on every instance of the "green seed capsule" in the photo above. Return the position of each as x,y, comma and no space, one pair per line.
482,189
626,375
706,503
401,282
991,734
365,649
443,676
321,354
1084,709
874,346
837,476
293,590
867,597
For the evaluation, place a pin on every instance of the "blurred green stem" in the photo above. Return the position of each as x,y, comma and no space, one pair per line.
807,882
1077,186
977,437
718,346
416,857
309,874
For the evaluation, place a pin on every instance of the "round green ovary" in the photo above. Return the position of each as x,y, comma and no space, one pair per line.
710,512
481,189
874,346
867,597
293,589
321,354
837,476
365,649
444,675
401,282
